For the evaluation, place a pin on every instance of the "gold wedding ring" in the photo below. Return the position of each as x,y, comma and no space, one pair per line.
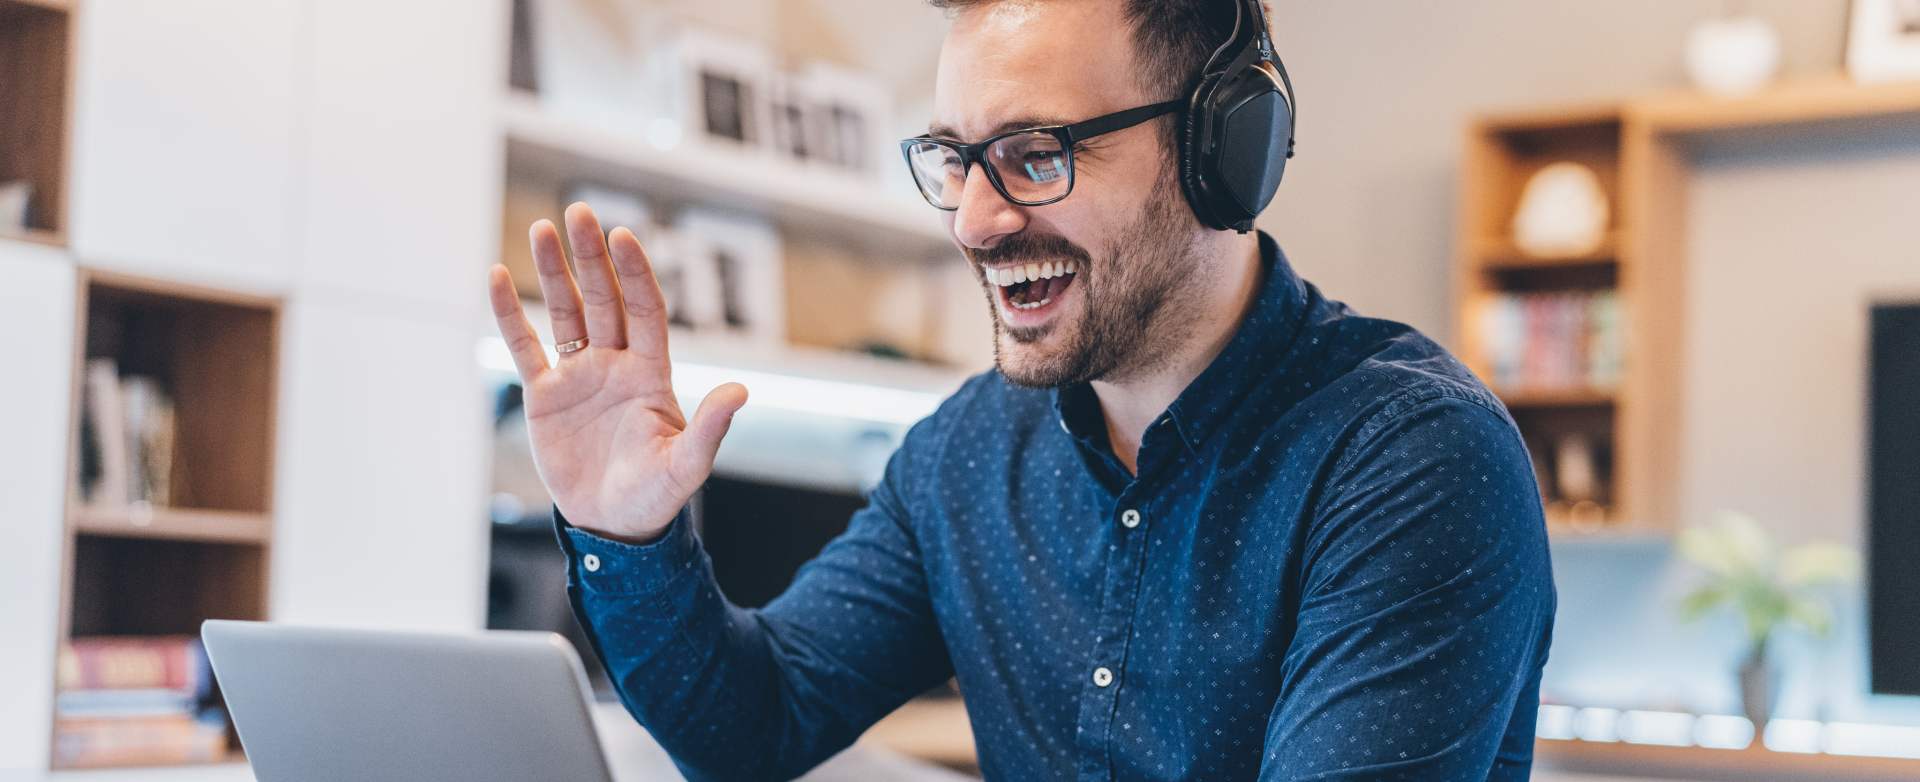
570,346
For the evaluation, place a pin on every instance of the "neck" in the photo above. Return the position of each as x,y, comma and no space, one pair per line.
1131,404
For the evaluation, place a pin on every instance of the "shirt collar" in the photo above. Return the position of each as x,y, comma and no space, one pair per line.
1252,357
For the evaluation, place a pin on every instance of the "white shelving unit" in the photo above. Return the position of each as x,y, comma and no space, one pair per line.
803,200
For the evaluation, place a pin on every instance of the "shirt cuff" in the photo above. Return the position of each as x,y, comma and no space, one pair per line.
598,564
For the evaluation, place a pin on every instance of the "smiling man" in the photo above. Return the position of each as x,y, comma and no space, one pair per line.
1202,522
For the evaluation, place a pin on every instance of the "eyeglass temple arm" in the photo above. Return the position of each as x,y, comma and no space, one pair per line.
1121,120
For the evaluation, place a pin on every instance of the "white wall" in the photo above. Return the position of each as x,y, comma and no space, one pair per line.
382,471
36,333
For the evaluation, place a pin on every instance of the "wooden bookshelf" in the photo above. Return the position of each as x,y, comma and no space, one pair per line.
1642,151
1502,154
35,54
135,567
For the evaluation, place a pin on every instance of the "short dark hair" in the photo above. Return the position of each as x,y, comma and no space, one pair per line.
1174,38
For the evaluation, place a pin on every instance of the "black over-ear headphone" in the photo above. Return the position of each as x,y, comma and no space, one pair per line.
1232,151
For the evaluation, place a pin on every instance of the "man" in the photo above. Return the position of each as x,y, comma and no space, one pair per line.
1202,522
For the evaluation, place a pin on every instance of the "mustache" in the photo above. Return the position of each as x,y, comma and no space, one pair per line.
1022,248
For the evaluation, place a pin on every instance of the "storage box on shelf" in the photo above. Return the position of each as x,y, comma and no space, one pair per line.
169,517
35,43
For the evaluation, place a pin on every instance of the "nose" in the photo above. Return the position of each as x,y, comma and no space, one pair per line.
984,218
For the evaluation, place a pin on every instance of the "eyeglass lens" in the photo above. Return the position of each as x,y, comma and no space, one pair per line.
1033,168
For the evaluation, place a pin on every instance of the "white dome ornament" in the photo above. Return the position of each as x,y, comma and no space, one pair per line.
1732,56
1563,212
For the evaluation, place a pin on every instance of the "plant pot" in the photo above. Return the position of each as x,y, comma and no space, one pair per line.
1759,688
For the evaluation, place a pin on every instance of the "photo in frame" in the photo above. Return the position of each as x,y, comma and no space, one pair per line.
734,275
715,88
848,112
1883,40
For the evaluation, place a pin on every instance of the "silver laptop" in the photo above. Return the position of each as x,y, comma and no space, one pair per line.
323,705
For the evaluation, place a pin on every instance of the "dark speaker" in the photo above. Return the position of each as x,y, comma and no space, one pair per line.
1893,499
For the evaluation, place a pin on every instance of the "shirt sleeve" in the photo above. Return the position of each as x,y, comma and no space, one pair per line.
735,693
1426,607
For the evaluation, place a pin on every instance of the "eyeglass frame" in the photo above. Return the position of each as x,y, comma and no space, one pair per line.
1067,135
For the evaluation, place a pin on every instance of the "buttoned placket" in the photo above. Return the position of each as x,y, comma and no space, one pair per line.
1126,526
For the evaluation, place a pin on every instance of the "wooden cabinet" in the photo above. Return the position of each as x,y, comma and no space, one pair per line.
197,547
1642,150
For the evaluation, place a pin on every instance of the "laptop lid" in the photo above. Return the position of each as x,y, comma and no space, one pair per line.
321,704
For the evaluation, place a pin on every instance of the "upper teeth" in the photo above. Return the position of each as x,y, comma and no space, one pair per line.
1028,272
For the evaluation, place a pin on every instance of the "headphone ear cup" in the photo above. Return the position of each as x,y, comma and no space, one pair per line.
1252,147
1193,165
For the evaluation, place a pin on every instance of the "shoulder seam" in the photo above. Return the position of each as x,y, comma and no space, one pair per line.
1407,398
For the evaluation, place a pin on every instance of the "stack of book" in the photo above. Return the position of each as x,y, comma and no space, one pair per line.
136,700
126,438
1557,340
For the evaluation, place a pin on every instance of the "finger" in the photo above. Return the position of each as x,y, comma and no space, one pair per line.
556,283
605,326
646,308
529,356
695,447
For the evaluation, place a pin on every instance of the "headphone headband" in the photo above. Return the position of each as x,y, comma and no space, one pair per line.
1231,158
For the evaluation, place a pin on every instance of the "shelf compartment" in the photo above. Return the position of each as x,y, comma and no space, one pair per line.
35,40
214,353
144,586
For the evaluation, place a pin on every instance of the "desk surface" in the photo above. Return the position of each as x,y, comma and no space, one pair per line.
632,753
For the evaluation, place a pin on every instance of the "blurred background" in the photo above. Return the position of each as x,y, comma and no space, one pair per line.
252,374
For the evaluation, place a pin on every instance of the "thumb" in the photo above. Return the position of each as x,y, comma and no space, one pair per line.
697,444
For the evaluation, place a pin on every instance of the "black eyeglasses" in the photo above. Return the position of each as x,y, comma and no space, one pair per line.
1030,167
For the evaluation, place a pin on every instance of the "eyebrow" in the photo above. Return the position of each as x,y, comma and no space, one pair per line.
1017,123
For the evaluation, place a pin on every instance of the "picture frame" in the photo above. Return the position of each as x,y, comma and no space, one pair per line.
1883,40
715,89
734,275
850,113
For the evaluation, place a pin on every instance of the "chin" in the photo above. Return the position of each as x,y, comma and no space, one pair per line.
1045,362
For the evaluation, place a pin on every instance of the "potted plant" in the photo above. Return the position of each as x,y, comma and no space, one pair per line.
1768,588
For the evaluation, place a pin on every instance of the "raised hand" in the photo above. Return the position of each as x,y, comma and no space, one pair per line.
611,444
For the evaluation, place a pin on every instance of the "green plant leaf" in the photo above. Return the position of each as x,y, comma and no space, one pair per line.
1816,564
1700,601
1811,614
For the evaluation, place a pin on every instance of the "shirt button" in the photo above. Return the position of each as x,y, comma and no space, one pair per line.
1102,677
1130,518
591,563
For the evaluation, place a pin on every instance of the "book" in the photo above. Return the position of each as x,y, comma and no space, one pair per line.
106,417
175,662
1553,340
171,739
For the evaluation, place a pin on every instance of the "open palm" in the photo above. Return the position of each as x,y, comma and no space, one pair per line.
609,439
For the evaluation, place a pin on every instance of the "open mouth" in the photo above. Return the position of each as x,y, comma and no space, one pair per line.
1029,287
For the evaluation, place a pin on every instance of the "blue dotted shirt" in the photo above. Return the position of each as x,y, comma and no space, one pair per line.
1331,565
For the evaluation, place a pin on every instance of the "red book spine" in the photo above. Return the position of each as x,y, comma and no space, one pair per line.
119,663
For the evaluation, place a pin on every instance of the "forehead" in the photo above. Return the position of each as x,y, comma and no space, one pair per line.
1014,63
